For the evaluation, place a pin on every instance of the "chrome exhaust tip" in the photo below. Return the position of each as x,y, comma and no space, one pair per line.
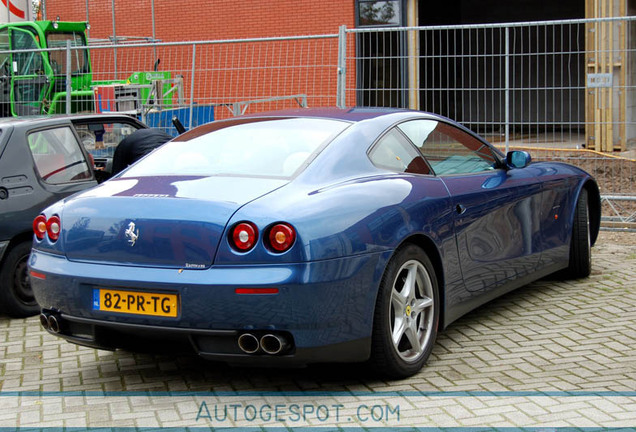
53,323
273,344
248,343
44,321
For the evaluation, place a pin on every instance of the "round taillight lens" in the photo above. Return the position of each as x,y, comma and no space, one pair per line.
53,227
281,237
39,226
244,236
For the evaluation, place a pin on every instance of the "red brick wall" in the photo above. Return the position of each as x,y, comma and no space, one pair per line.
205,20
224,73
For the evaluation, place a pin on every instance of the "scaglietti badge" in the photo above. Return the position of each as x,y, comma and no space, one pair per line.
132,234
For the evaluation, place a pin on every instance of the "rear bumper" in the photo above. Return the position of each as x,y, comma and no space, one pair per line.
217,345
324,309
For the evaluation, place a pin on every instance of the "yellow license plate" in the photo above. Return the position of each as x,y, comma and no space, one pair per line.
135,302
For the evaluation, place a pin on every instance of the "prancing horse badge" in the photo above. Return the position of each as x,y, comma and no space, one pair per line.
132,234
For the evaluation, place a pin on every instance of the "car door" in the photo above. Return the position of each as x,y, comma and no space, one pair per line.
38,166
30,84
497,231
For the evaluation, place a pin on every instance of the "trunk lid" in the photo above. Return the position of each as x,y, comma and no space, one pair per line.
168,222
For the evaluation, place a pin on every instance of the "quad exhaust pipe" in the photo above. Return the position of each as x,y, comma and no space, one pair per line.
248,343
272,344
50,322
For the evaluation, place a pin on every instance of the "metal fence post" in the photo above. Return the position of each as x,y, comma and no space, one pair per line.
507,90
413,54
341,99
112,6
194,60
69,88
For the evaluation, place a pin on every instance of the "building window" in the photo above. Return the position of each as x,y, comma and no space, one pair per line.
372,13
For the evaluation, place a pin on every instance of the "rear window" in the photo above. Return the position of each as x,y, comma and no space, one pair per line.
272,148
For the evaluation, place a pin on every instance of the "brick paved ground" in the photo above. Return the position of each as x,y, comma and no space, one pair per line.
553,353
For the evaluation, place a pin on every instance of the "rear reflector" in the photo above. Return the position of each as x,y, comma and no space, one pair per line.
256,290
37,275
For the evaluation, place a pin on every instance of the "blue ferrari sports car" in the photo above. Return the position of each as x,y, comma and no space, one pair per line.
312,235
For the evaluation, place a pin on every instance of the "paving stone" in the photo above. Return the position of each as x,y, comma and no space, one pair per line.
550,336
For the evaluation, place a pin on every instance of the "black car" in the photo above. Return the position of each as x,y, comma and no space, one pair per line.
42,160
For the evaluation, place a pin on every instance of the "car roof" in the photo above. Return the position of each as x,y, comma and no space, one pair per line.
350,115
15,121
347,114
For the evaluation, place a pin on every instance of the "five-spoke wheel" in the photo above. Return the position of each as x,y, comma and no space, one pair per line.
406,314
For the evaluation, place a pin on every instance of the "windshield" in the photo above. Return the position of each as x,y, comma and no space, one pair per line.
272,148
79,57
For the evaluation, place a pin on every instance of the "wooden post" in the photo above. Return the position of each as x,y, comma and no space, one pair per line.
605,105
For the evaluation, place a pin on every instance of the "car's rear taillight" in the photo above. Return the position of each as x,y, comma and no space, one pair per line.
39,226
281,237
244,236
43,226
53,227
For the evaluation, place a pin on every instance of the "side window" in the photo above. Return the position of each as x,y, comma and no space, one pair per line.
449,150
5,59
394,152
57,155
101,139
30,62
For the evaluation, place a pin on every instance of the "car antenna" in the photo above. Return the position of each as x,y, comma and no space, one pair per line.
178,125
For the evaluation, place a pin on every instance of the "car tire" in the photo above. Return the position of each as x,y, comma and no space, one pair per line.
580,265
16,295
406,314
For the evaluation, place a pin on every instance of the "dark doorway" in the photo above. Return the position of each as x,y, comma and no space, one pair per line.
381,69
462,70
452,12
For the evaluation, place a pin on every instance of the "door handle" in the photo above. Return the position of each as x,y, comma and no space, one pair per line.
460,209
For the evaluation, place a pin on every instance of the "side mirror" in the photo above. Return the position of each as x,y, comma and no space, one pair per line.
518,159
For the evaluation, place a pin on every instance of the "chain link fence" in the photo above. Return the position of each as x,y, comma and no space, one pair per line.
226,78
196,81
564,90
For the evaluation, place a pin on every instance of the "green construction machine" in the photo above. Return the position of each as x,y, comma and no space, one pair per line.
34,65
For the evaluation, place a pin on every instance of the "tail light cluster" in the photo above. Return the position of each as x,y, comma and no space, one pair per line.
278,238
51,226
244,236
